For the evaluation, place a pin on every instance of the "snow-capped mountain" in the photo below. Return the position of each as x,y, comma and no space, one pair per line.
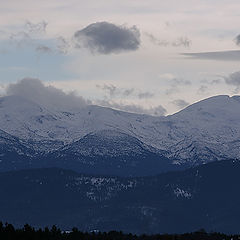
113,153
205,131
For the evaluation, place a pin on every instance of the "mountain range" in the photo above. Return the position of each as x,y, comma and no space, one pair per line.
98,140
206,197
102,169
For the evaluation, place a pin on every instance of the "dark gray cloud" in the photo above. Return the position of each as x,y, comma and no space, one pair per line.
180,103
154,111
179,42
234,80
106,38
34,90
237,40
233,55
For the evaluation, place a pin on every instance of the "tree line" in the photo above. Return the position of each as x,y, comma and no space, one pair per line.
9,232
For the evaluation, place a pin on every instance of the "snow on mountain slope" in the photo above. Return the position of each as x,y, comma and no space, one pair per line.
108,143
28,120
205,131
110,152
209,129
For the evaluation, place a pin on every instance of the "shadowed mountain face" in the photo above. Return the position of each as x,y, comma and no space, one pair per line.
203,197
106,152
112,153
100,140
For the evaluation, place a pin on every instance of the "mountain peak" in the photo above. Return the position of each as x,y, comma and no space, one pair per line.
221,106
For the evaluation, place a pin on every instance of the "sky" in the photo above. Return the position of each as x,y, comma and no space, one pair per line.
154,57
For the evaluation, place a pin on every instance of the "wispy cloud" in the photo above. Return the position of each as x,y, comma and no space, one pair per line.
180,103
175,85
233,80
36,28
36,91
178,42
202,89
114,91
232,55
134,108
33,35
43,49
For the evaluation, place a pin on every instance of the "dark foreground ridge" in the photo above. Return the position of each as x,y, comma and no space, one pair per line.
205,197
8,231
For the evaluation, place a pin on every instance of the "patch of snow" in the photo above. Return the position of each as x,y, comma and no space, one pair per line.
182,193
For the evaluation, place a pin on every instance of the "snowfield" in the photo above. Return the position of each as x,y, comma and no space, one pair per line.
205,131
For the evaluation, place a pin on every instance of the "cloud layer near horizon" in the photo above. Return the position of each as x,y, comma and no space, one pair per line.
34,90
233,55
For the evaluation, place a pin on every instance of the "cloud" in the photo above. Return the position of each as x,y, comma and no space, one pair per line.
114,91
215,81
21,38
34,90
155,111
110,89
180,103
202,90
43,49
234,80
63,45
36,28
32,35
179,81
182,41
176,83
128,92
29,30
179,42
144,95
233,55
237,40
107,38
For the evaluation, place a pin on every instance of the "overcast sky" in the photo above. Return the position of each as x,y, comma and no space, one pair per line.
145,56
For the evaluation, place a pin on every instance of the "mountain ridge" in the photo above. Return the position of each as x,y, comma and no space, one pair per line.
206,131
202,197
